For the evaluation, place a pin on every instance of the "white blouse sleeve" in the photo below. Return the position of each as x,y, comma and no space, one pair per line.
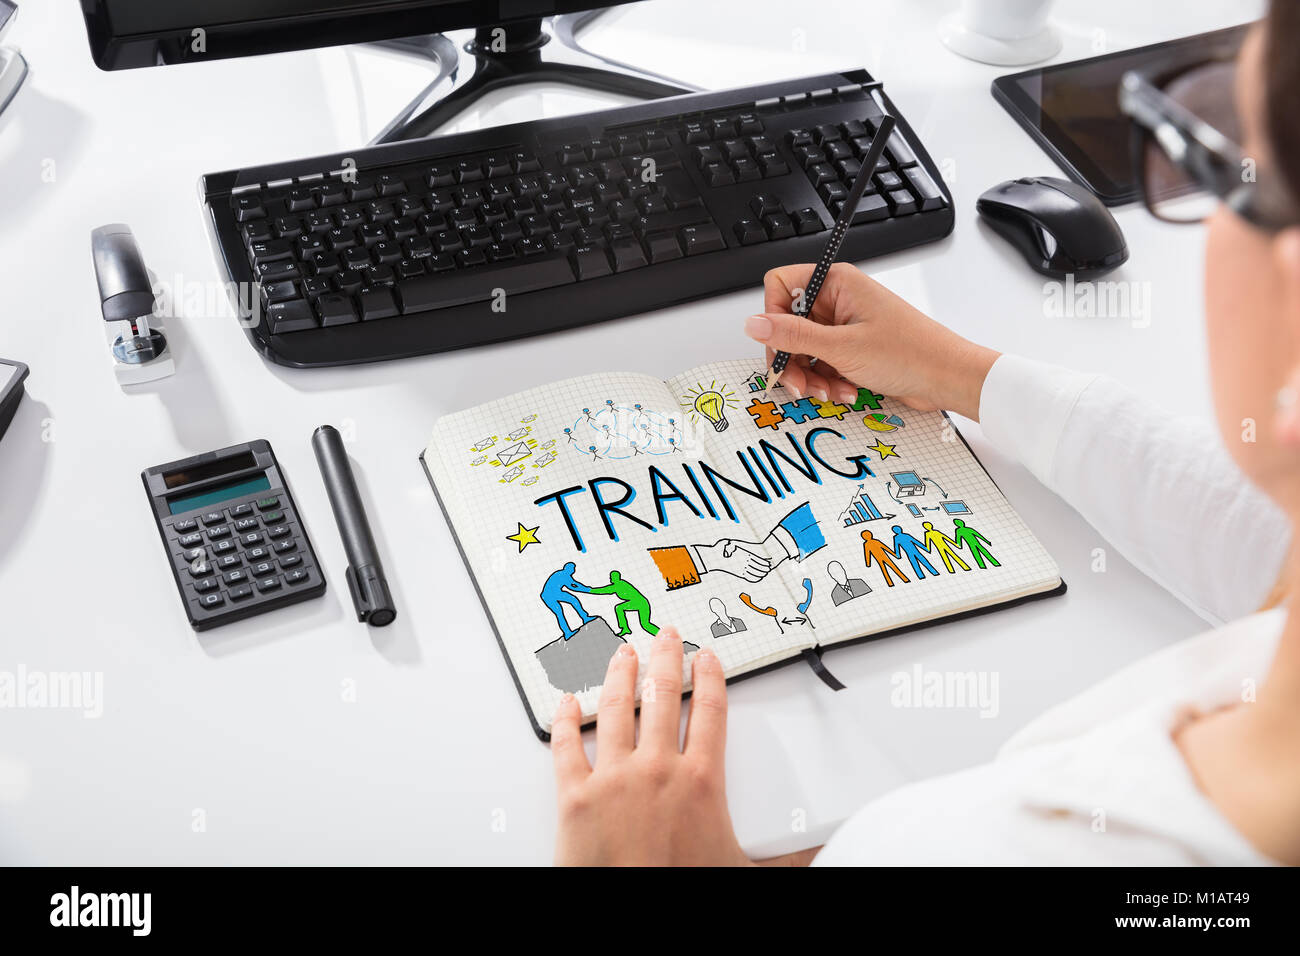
1160,488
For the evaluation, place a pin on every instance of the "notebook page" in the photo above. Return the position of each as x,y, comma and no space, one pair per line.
905,479
522,478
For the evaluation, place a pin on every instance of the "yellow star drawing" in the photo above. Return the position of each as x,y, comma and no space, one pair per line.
883,450
524,537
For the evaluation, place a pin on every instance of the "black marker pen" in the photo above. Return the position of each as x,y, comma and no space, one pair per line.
365,574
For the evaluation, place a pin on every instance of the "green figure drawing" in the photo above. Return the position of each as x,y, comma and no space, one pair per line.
630,600
974,542
943,544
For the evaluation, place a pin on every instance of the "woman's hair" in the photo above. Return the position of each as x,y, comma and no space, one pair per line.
1282,89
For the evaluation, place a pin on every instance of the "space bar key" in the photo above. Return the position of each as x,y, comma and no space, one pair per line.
478,284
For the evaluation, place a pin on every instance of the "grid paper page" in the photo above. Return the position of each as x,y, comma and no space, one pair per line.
916,459
493,463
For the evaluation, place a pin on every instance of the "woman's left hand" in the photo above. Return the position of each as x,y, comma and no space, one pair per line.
648,802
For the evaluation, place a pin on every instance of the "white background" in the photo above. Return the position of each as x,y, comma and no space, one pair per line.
434,761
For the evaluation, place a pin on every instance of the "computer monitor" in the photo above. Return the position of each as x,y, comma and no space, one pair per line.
510,44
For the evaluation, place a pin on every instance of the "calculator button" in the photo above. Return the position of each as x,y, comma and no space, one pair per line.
284,547
268,584
237,576
190,540
223,547
262,567
211,599
266,504
240,510
245,524
200,569
295,576
228,561
213,517
205,584
184,526
252,538
219,531
290,560
240,591
193,554
278,531
273,517
258,553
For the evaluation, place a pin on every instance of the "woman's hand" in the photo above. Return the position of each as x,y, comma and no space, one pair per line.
648,802
863,334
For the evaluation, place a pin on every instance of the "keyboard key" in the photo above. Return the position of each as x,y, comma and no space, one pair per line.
295,576
336,309
190,540
248,207
663,246
295,315
228,561
378,304
290,561
764,203
925,187
223,547
901,202
271,583
627,255
779,226
261,568
749,232
477,285
203,585
699,239
590,262
284,547
213,599
185,525
898,149
240,591
871,209
236,576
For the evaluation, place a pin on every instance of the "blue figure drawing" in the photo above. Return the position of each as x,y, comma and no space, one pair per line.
906,546
558,591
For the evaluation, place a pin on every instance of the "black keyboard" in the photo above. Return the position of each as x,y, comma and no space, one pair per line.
441,243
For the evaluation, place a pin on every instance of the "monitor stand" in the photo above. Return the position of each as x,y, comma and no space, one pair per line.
508,55
13,70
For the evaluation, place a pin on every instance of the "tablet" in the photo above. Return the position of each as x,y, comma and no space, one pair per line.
1072,109
12,375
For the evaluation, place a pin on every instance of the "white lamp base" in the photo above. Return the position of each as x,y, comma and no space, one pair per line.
13,70
1034,48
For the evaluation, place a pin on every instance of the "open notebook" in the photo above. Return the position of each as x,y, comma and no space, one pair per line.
599,509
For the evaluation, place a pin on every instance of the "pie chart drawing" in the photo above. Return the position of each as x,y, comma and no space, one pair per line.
880,422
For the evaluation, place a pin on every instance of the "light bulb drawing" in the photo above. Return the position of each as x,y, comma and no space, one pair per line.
710,403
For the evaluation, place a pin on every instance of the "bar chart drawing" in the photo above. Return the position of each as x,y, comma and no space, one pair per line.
862,509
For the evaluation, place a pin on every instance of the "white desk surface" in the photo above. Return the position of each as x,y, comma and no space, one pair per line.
434,760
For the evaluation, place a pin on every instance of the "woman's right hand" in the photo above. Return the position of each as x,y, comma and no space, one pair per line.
863,334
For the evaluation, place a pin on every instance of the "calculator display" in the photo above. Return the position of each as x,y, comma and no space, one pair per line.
211,496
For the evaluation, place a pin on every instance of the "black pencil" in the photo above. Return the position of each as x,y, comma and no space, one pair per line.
836,239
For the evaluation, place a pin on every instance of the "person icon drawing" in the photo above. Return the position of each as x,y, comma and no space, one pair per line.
725,624
846,588
557,592
974,542
906,545
944,546
631,600
875,549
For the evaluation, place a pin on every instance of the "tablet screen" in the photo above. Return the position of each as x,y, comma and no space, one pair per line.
1072,109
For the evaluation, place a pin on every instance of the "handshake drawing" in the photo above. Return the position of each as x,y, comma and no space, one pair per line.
795,537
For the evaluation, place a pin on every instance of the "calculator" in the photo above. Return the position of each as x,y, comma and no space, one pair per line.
232,533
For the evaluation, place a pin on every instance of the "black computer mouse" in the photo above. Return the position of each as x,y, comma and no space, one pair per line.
1059,226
